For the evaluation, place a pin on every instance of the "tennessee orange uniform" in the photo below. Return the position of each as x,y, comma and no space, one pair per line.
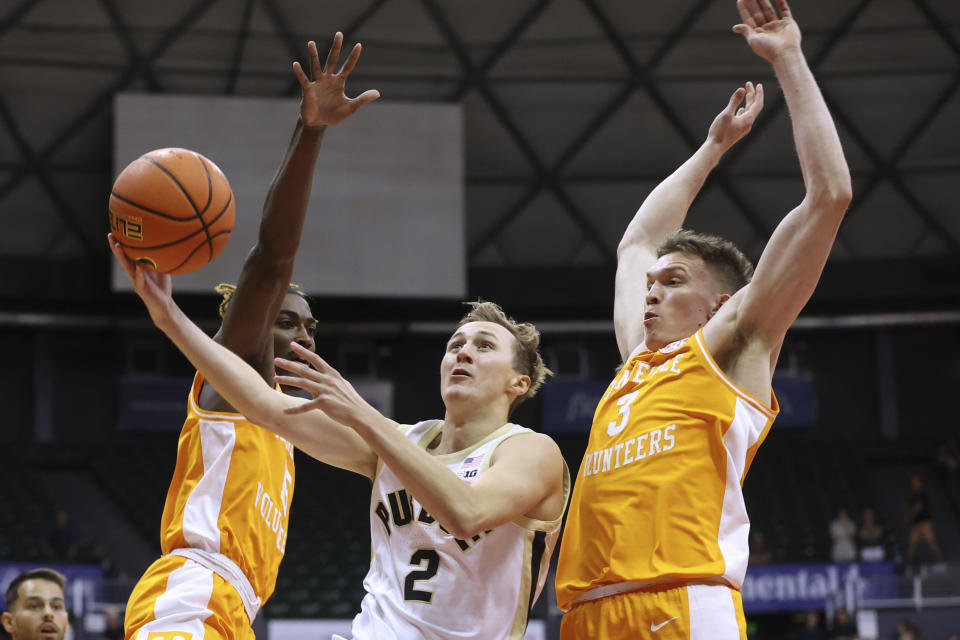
658,501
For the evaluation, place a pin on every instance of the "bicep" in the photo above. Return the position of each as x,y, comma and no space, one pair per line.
787,273
536,461
630,289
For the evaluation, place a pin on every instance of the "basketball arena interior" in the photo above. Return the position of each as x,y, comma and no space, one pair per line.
512,144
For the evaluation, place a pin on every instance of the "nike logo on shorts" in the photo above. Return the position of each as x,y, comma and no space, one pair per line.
656,627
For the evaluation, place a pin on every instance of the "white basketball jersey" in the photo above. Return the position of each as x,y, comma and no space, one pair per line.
424,584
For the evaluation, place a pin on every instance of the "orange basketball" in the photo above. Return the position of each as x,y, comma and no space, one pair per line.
172,210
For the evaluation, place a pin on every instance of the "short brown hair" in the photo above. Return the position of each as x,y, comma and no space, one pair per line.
732,269
226,291
526,355
13,591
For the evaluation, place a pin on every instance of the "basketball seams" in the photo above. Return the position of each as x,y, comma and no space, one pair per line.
177,188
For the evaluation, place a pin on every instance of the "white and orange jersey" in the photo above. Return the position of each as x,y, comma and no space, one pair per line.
658,495
230,493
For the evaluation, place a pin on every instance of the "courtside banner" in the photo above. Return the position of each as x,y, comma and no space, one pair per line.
802,587
568,406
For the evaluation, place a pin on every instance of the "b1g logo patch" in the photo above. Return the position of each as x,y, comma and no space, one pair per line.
170,635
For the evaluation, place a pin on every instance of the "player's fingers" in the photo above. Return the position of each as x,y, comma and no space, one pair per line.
735,99
745,14
756,14
318,363
302,408
757,104
351,61
314,57
784,9
364,98
298,382
769,15
301,76
334,54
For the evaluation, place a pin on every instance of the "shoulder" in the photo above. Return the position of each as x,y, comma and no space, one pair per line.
530,446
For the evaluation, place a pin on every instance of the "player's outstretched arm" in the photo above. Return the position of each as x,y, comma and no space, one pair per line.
663,212
526,472
241,385
793,259
268,267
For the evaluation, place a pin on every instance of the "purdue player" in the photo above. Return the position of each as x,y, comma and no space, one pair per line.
220,558
656,542
464,512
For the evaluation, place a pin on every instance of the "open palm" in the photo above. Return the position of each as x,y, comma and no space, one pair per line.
767,34
324,101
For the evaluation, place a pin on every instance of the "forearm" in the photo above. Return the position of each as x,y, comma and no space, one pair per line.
287,199
825,172
446,497
664,210
229,374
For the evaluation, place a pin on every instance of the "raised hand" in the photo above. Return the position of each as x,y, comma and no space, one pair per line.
331,393
735,121
768,35
324,101
155,289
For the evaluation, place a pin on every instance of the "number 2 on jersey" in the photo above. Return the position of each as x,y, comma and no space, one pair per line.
624,403
433,563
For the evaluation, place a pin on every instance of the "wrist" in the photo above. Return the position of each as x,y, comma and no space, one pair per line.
310,129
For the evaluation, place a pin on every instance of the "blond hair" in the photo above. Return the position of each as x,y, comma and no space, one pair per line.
226,291
526,355
732,269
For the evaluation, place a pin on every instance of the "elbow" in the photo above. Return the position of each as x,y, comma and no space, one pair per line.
465,523
834,196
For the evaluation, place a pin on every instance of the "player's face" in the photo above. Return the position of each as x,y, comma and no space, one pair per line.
682,294
478,364
39,613
294,323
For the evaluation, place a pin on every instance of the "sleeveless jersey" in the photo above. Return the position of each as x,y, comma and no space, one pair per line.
230,492
425,584
658,494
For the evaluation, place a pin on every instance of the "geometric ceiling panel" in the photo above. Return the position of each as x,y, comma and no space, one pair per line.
636,141
29,220
541,235
498,154
564,30
573,109
938,192
610,205
882,227
885,108
714,213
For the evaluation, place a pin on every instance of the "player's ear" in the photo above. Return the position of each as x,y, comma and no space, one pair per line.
520,384
720,299
7,620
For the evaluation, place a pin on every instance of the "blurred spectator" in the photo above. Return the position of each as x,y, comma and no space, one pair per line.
870,537
922,519
948,464
811,629
114,626
759,554
906,630
842,531
59,543
843,627
35,606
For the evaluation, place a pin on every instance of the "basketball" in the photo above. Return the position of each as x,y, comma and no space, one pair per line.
172,210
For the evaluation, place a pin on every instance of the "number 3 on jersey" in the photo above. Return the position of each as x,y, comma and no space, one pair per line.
433,563
624,403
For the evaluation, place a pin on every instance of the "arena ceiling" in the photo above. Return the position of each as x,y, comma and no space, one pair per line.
573,109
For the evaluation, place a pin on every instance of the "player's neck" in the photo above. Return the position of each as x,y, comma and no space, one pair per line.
463,429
